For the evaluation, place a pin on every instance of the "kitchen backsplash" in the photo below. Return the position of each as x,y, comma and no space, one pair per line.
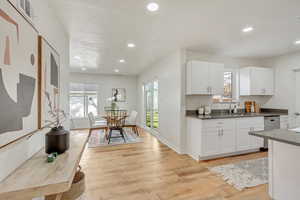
194,102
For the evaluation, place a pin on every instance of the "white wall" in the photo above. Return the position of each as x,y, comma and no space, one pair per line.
168,72
105,84
48,26
285,90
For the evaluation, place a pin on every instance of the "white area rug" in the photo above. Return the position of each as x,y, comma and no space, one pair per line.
244,174
98,139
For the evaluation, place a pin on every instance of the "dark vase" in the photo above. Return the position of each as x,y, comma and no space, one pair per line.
57,140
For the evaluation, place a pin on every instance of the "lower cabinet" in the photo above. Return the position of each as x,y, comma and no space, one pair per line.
210,138
244,140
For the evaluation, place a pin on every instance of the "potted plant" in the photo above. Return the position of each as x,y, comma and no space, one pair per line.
57,139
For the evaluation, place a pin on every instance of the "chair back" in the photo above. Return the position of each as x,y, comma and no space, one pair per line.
91,119
116,118
132,117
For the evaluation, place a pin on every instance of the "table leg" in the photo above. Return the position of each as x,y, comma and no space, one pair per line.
58,196
54,197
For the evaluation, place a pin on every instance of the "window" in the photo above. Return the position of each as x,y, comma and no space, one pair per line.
228,91
227,85
151,105
83,100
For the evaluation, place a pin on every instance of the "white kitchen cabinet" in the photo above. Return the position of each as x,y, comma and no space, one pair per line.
284,122
210,143
256,81
218,137
216,78
244,140
204,78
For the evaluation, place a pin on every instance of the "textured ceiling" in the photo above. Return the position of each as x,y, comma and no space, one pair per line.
100,30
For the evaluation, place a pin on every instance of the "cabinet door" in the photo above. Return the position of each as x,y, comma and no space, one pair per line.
227,141
216,78
268,75
244,141
257,142
262,81
197,77
257,81
210,143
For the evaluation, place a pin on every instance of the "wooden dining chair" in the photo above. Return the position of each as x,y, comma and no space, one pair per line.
115,122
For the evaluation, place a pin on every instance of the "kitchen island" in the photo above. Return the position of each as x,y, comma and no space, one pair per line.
284,163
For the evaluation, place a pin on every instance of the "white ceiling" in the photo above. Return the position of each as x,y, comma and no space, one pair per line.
100,30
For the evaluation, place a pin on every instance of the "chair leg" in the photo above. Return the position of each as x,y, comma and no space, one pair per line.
109,136
106,133
137,131
122,134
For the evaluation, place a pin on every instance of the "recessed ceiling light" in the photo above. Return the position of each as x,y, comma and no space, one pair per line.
77,57
122,61
152,7
297,42
117,71
131,45
83,69
248,29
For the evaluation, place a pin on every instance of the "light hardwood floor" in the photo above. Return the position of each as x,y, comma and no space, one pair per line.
152,171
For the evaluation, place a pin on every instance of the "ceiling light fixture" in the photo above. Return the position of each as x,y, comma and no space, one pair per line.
122,61
83,69
131,45
153,7
117,71
248,29
77,57
297,42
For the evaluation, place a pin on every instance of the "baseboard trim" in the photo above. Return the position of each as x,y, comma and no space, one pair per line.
226,155
161,139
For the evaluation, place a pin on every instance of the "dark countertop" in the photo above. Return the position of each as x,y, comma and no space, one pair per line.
228,116
280,135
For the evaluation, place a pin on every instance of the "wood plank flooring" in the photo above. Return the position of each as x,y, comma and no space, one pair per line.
152,171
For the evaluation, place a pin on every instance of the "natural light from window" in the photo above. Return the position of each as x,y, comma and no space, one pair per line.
83,100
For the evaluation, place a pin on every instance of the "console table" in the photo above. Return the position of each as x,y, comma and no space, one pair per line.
37,178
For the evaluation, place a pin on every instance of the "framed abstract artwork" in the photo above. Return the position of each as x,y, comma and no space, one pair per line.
18,75
119,94
49,86
25,8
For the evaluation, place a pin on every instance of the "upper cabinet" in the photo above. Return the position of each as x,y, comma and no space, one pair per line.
204,78
256,81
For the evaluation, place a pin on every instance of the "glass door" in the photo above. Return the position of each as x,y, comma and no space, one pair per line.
148,104
151,105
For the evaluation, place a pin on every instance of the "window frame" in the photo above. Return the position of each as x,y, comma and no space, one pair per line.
218,98
85,94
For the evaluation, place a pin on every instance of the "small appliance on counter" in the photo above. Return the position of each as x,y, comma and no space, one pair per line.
207,110
201,110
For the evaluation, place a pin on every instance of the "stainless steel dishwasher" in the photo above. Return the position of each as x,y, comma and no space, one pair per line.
271,123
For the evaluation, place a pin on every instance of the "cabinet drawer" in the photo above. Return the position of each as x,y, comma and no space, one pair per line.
219,123
249,122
